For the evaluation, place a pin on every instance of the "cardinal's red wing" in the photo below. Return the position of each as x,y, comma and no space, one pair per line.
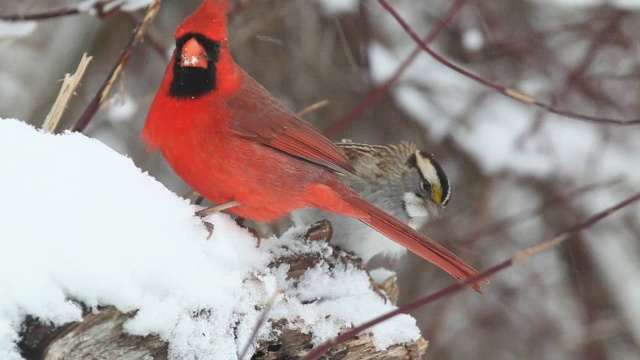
260,116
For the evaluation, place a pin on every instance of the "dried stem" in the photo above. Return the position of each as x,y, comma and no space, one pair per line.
148,38
313,107
261,320
68,88
518,257
214,209
102,93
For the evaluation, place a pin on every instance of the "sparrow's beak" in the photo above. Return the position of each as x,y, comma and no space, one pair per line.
436,210
193,55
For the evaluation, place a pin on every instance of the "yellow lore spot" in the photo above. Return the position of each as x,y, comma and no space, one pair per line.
436,193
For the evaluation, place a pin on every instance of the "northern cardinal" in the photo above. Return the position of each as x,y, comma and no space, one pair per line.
231,140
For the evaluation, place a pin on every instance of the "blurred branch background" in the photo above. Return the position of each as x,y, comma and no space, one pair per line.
518,174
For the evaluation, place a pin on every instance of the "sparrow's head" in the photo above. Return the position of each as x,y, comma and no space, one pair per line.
432,192
200,39
402,179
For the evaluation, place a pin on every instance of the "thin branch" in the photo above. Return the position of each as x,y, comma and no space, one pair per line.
512,93
68,88
518,257
100,9
236,7
374,95
575,76
148,38
313,107
102,93
261,320
529,213
214,209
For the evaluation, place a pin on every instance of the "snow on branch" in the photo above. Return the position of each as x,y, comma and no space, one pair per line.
99,8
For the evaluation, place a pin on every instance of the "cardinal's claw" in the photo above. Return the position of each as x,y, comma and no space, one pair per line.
380,292
254,232
319,231
209,227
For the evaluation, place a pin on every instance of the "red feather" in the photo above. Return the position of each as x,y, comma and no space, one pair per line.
261,117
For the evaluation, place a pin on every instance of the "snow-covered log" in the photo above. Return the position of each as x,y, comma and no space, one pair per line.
101,331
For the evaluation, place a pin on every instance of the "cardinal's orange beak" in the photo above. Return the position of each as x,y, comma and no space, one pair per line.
193,55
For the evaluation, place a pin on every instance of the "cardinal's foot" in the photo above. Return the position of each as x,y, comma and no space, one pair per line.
209,227
254,232
385,281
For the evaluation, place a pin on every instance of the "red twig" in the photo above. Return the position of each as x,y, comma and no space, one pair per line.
512,93
575,76
376,93
528,214
236,7
520,256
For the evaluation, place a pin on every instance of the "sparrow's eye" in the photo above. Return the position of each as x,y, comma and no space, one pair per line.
425,186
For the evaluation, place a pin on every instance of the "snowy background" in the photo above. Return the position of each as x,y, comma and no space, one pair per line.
518,174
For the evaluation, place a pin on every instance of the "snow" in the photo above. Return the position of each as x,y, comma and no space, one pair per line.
502,125
472,40
383,61
381,274
12,30
336,7
621,4
348,285
132,5
121,109
82,222
125,5
621,271
434,110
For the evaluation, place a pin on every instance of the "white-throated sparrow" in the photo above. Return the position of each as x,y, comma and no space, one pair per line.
401,179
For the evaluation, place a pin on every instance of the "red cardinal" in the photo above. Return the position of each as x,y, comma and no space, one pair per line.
231,140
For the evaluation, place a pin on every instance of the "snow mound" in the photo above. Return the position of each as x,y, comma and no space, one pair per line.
81,222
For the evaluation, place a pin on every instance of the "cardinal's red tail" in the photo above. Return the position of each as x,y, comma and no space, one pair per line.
413,240
400,232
